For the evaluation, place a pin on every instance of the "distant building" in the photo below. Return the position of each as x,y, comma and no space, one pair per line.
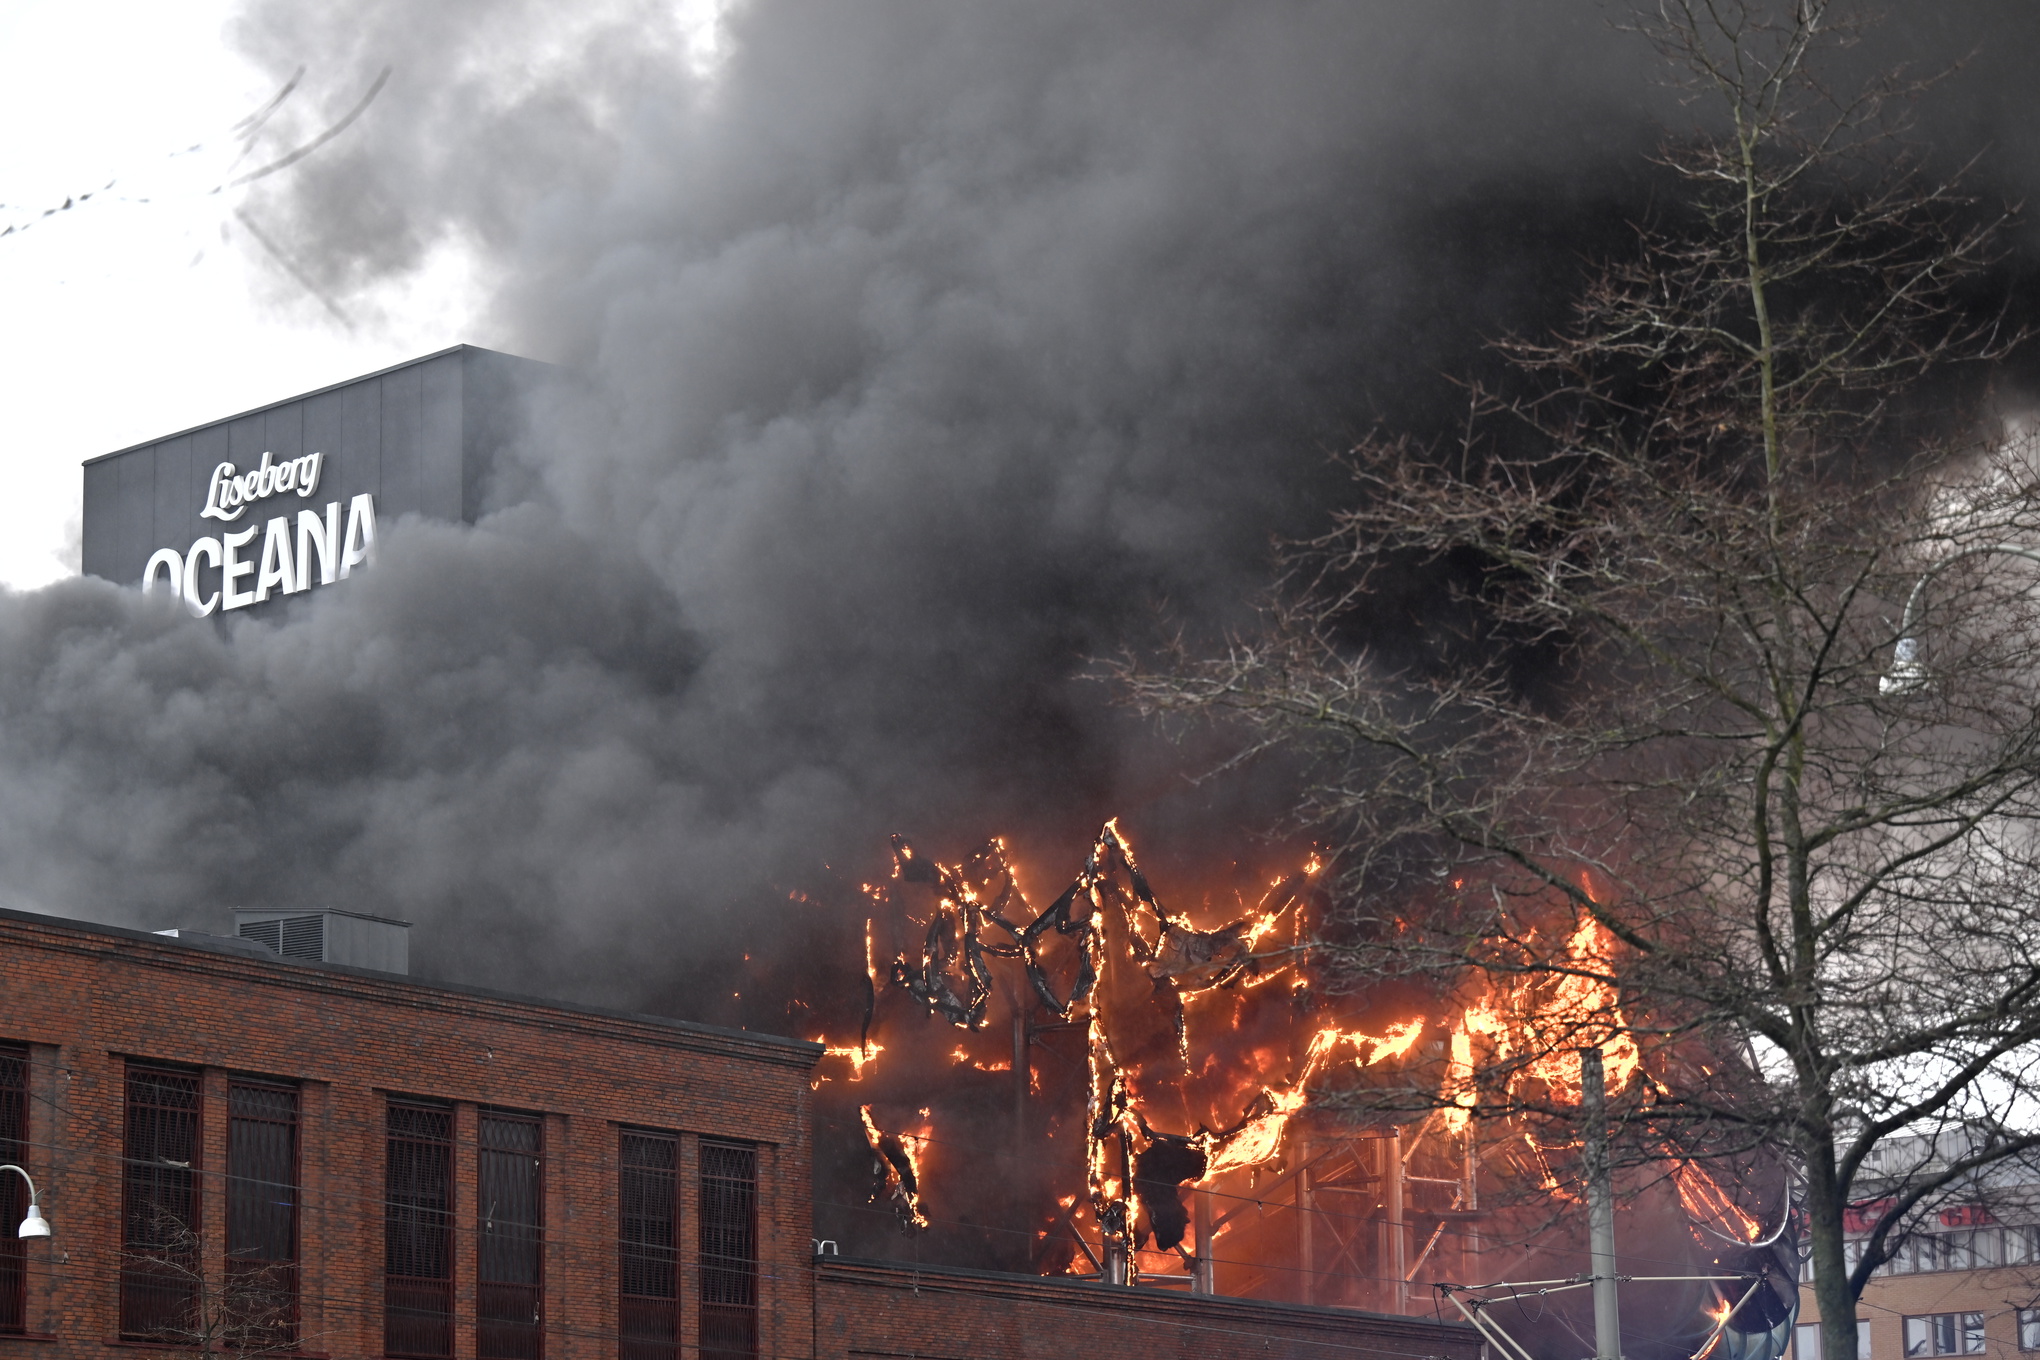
246,511
1966,1280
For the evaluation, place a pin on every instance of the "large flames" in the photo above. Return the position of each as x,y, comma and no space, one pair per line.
1194,1105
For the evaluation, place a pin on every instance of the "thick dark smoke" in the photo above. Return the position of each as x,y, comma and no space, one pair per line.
930,350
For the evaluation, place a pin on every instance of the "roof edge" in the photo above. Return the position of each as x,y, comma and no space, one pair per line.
792,1048
304,396
1105,1294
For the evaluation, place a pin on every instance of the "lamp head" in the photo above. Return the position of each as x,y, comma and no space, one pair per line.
1908,674
35,1225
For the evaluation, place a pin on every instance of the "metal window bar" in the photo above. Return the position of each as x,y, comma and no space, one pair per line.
648,1247
510,1238
728,1217
418,1232
159,1206
261,1285
14,1194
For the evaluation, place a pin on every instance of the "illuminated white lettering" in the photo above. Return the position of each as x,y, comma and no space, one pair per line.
360,543
232,569
172,563
280,568
208,548
228,494
312,532
276,569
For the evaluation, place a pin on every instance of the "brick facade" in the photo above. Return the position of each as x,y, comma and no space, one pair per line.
87,1002
1997,1296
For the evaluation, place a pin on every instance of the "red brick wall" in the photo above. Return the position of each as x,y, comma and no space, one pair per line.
871,1309
86,998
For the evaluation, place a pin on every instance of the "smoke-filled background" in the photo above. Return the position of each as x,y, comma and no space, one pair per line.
925,354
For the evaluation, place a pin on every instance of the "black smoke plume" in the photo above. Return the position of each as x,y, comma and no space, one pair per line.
928,351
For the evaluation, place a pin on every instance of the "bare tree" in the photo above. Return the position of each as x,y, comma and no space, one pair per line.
247,1307
1748,753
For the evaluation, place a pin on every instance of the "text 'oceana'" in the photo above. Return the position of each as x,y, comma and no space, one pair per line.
228,496
280,569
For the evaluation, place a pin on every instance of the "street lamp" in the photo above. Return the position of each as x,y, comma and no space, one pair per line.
35,1225
1908,673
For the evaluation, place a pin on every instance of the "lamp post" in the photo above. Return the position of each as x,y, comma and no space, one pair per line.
1908,673
35,1225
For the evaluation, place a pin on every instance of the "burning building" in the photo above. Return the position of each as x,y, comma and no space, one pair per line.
1179,1100
267,1149
1112,1096
276,1141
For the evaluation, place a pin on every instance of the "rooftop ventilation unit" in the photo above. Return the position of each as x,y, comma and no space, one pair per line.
329,937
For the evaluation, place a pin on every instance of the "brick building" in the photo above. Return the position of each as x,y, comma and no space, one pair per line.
295,1155
250,1147
1966,1278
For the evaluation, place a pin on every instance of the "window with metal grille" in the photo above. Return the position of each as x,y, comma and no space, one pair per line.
159,1206
13,1193
509,1238
648,1247
418,1231
261,1287
729,1251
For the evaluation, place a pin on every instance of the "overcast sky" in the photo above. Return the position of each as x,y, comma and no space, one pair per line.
149,307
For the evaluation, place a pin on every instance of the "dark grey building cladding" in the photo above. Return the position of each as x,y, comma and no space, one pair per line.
421,438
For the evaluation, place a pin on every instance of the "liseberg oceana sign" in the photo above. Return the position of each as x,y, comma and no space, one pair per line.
283,564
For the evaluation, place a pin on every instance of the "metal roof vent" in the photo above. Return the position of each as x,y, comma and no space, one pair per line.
329,937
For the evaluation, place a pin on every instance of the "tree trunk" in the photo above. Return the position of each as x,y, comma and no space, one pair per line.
1832,1292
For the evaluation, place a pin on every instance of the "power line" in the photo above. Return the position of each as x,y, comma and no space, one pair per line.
335,1199
339,1200
103,1120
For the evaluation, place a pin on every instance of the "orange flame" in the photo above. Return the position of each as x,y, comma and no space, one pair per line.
899,1155
859,1056
1707,1202
1218,1038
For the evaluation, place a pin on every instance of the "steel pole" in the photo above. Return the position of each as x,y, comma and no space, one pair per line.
1203,1276
1022,1074
1398,1231
1306,1211
1600,1206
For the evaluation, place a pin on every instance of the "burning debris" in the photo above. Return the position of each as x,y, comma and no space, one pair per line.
1178,1078
1148,992
895,1166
